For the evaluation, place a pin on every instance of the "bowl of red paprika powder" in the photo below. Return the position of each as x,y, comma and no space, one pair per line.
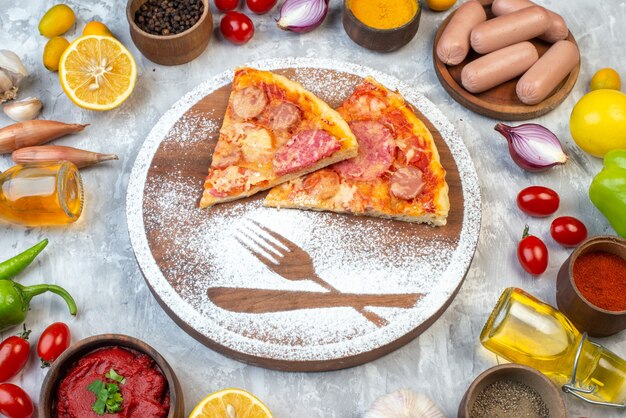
591,286
136,380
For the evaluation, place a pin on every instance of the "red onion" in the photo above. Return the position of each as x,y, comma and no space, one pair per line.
533,147
302,15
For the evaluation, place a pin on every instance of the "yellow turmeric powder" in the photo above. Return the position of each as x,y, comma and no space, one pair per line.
384,14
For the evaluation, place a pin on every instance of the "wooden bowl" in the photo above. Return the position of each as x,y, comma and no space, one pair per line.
500,102
597,322
517,372
47,397
382,40
171,49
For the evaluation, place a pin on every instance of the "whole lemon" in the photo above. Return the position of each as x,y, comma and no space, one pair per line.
598,122
57,20
605,78
52,52
96,28
440,5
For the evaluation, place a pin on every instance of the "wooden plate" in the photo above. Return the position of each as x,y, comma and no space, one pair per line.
500,102
354,288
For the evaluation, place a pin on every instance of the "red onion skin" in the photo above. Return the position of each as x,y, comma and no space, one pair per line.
519,160
302,29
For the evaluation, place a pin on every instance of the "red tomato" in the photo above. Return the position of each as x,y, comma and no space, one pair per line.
14,402
538,201
237,27
226,5
260,6
568,231
53,342
532,254
14,353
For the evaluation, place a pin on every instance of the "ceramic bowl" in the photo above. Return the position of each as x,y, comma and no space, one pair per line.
517,372
597,322
382,40
47,397
171,49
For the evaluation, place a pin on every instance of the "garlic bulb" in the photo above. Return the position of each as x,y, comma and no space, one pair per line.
404,403
22,110
12,71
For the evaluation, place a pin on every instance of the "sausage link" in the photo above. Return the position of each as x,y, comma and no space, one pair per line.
497,67
454,43
558,28
543,77
509,29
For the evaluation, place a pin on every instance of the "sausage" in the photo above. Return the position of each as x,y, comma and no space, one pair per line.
283,116
249,102
407,183
509,29
304,150
499,66
454,44
376,151
558,28
485,2
543,77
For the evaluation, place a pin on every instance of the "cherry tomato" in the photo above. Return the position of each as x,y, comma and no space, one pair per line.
532,254
237,27
53,342
14,353
538,201
14,402
568,231
226,5
260,6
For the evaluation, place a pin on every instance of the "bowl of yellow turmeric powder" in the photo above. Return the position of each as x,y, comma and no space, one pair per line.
381,25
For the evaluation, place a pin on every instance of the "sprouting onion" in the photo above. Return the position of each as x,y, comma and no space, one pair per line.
302,15
533,147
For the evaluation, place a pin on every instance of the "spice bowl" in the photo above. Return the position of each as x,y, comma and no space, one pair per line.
529,378
587,317
171,49
377,39
61,367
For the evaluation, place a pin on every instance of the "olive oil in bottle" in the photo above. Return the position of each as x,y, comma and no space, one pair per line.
38,194
524,330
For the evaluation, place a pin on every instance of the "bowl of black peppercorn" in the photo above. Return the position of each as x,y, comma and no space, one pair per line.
170,32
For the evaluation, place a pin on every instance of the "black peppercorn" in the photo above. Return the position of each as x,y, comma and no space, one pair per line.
168,17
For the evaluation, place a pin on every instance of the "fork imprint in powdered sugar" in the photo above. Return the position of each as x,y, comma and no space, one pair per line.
291,262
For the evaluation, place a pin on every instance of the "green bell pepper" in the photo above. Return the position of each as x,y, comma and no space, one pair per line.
608,190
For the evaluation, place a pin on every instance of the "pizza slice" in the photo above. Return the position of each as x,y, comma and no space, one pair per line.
397,173
273,131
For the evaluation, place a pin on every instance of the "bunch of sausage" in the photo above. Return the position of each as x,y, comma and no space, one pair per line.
507,53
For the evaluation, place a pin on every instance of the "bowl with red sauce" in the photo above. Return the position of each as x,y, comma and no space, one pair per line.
591,286
117,374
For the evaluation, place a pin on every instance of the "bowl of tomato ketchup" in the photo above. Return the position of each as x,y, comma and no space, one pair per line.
117,374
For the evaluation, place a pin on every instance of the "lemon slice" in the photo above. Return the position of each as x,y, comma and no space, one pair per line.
231,403
97,72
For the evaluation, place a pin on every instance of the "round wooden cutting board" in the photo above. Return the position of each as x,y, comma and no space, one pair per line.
500,102
346,291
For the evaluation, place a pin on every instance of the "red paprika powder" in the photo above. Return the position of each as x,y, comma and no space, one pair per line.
601,279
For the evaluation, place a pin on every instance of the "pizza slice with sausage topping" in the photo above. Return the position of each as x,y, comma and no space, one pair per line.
396,174
273,131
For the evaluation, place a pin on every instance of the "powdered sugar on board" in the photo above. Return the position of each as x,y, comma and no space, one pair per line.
370,256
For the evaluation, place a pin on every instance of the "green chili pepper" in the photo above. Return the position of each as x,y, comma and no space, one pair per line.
608,190
14,266
15,300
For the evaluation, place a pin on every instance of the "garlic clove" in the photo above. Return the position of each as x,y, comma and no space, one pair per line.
23,110
10,62
404,403
12,72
